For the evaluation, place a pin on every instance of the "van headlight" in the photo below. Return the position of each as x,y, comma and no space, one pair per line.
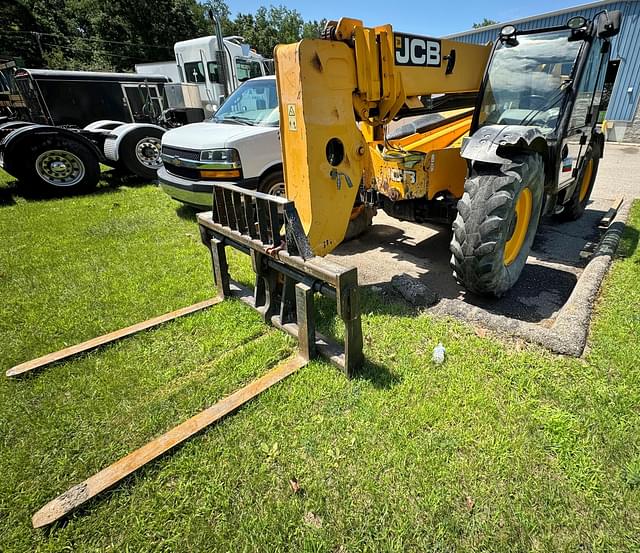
220,164
227,157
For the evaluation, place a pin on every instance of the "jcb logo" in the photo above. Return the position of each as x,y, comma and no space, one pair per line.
417,50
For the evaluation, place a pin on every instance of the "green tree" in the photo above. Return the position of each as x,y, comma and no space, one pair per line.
268,27
117,34
94,34
484,23
221,10
17,33
313,29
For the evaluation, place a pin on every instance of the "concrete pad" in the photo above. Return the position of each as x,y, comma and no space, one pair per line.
551,303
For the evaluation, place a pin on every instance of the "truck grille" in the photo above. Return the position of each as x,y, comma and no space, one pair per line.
179,152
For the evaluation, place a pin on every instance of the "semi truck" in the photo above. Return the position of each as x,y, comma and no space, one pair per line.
62,125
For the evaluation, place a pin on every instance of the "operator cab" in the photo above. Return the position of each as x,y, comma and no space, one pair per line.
551,79
544,65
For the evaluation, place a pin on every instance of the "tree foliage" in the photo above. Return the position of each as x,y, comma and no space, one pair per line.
267,26
484,23
116,34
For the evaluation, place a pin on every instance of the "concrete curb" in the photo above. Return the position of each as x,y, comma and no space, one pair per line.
568,334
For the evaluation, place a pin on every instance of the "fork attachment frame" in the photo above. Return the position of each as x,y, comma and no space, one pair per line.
288,275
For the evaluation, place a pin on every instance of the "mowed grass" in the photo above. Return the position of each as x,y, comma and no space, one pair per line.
504,447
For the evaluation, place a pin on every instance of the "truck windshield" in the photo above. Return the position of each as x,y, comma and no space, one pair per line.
527,80
253,103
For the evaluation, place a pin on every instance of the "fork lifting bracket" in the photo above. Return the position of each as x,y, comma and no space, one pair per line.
287,273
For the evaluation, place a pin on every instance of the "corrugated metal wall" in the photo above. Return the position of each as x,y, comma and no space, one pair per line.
625,47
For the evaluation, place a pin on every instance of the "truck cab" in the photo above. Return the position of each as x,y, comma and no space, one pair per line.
197,62
240,145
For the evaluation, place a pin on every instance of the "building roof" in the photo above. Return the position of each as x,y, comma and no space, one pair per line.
570,9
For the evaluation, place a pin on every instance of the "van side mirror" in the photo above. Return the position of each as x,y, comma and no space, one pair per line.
609,24
221,101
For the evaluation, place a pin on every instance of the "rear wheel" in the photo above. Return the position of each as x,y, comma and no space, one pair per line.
59,165
139,152
497,221
576,205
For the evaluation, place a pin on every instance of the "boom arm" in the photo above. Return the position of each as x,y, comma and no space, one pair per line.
336,92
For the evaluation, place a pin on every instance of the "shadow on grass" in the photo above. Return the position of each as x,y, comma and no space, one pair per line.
329,324
110,181
7,194
628,241
187,212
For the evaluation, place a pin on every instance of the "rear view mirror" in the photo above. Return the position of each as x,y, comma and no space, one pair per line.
609,24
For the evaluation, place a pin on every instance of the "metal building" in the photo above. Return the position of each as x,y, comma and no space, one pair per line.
623,113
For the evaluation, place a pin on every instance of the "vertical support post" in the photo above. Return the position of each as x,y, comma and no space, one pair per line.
220,268
306,323
265,291
348,307
288,301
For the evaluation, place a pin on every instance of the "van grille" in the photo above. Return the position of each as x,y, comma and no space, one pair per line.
179,152
184,172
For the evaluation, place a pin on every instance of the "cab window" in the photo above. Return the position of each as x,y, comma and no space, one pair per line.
247,69
194,72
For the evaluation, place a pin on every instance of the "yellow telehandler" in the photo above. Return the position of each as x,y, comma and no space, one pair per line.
510,134
515,137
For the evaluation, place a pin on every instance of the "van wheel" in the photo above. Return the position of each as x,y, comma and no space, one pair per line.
59,165
139,152
273,184
576,205
497,221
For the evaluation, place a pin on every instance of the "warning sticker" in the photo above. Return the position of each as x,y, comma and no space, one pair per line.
291,116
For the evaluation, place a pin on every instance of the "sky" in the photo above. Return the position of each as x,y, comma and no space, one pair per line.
424,17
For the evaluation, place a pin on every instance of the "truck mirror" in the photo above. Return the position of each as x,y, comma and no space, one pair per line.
221,101
609,24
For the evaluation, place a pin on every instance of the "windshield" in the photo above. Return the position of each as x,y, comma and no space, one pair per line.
527,80
253,103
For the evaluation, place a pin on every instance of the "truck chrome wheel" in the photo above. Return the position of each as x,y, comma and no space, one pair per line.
148,152
60,168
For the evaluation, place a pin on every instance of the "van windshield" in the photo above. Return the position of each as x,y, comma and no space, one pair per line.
253,103
527,80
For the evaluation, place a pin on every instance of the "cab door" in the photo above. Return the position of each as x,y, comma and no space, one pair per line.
584,113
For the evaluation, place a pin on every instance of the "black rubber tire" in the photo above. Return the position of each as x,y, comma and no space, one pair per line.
485,221
27,171
128,160
358,226
574,208
275,179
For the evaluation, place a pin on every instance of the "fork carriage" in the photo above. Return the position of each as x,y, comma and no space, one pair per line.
288,275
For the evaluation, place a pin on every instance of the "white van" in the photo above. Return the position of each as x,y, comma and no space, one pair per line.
240,144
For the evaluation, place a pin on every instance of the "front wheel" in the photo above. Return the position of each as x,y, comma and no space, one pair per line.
273,184
496,223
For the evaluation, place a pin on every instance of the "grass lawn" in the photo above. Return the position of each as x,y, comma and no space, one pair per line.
505,447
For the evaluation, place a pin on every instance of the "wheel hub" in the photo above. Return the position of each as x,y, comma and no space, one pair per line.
277,189
60,168
148,152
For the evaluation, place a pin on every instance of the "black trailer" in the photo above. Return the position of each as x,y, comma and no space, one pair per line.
81,97
64,124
